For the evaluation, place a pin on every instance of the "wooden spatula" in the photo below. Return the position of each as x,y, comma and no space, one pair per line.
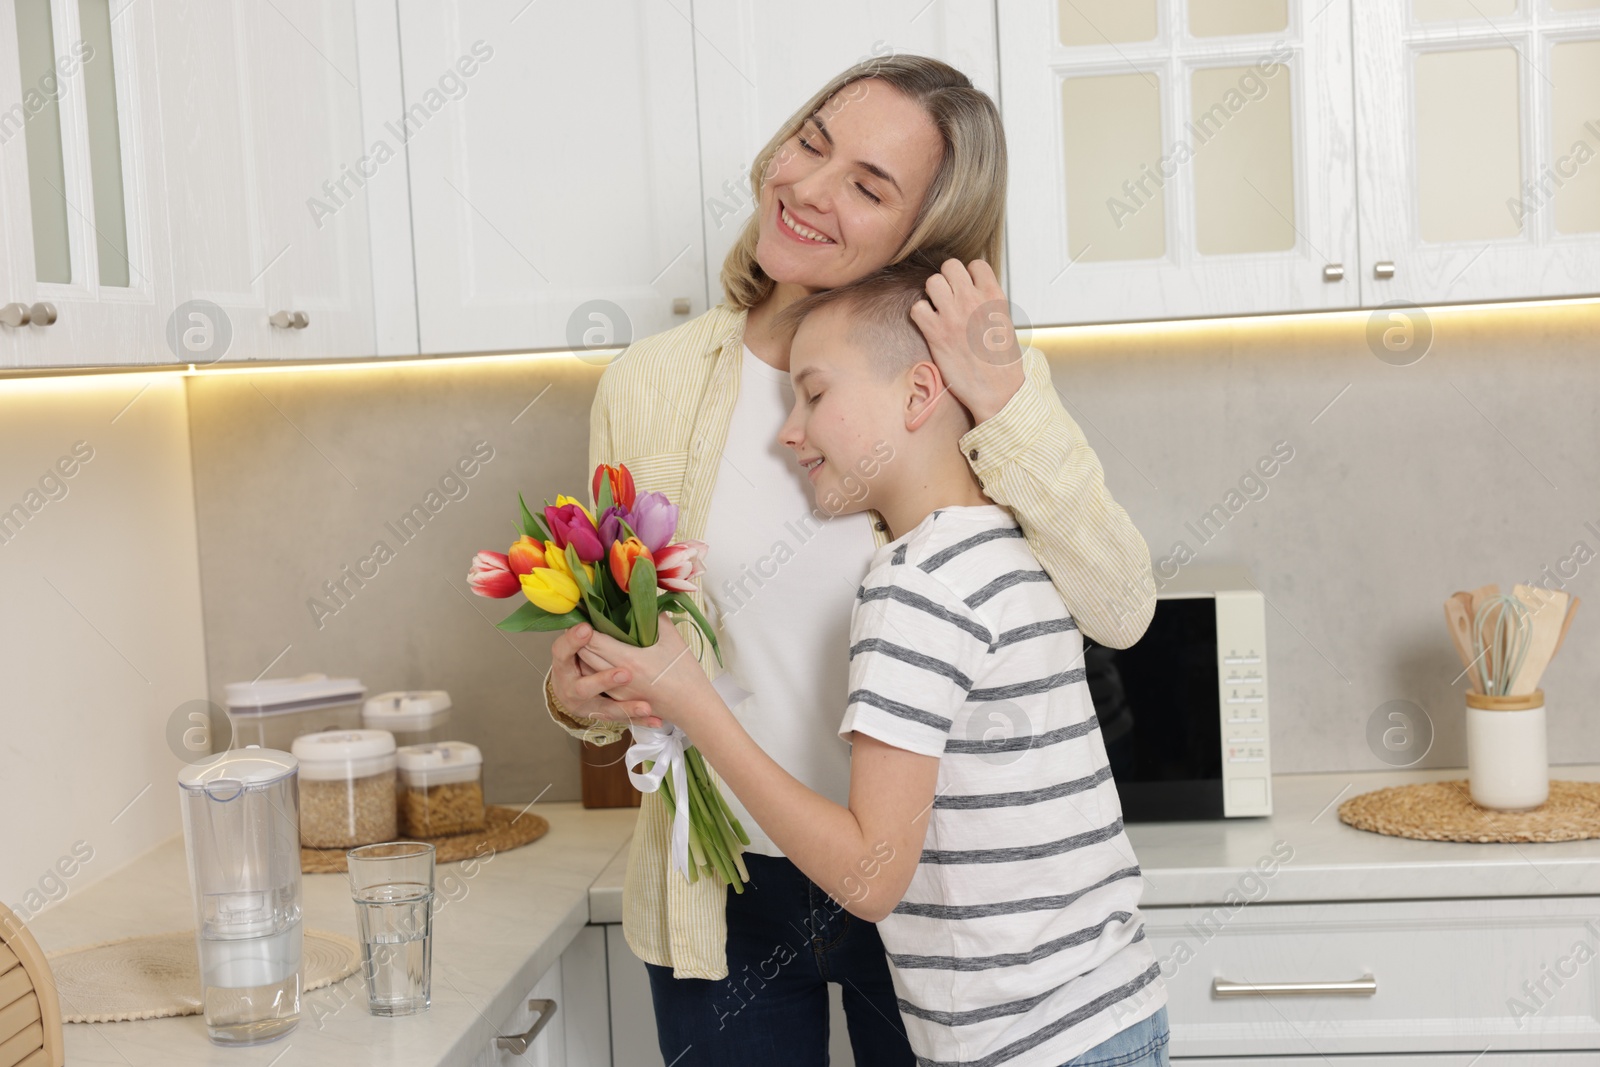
1547,610
1572,609
1460,626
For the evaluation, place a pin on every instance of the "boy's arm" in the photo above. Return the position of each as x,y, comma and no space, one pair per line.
863,855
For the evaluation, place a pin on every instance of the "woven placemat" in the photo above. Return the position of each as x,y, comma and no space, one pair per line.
158,976
503,828
1444,811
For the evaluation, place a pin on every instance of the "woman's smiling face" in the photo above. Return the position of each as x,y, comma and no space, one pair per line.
841,194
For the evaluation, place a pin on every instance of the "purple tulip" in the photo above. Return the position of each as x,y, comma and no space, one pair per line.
611,524
570,525
654,520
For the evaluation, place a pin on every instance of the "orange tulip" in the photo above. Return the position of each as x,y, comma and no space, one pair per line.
623,555
525,555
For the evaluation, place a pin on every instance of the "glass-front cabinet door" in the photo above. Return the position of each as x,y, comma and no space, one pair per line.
81,279
1480,148
1176,158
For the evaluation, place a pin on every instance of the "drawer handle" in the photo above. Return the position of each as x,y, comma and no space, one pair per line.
519,1043
1365,986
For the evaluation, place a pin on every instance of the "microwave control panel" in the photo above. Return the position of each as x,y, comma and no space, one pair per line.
1242,702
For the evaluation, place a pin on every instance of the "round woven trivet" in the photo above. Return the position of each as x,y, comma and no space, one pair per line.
158,976
503,828
1444,811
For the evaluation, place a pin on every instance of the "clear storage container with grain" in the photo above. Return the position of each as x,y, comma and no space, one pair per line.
441,789
347,788
272,712
415,717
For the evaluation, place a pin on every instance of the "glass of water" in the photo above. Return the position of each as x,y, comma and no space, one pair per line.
392,885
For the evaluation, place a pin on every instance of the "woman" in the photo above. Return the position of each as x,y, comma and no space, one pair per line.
894,155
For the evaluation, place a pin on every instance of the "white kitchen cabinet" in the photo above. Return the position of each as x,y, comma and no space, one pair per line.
1177,158
1446,976
258,125
1479,149
577,1031
82,202
755,63
553,163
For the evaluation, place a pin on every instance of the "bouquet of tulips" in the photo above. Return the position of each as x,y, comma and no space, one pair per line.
618,573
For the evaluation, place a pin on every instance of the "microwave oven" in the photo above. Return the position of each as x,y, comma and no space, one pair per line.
1184,712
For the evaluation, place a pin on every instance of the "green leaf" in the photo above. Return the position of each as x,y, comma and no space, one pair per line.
579,575
642,595
533,527
600,622
604,500
531,617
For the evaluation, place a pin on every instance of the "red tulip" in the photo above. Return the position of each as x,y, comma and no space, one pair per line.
621,484
491,576
679,564
525,555
623,555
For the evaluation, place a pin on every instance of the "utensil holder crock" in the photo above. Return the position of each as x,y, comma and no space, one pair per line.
1508,763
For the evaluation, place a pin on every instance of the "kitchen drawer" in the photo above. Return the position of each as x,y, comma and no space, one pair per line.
1459,975
548,1048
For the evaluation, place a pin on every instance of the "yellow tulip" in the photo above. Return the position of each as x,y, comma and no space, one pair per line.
550,589
556,559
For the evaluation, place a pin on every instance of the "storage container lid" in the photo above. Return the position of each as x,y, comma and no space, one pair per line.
272,696
251,767
439,763
337,754
414,709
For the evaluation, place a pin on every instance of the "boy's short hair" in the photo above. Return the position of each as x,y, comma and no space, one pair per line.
879,305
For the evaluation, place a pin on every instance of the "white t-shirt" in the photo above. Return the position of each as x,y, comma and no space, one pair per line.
780,580
1019,942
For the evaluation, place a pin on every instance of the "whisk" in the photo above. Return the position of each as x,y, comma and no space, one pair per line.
1502,629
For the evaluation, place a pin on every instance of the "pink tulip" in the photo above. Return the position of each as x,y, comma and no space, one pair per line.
679,564
491,576
570,524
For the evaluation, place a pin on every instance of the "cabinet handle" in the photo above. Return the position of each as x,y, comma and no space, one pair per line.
299,320
1333,272
519,1043
1365,986
1383,269
289,320
680,305
14,315
42,314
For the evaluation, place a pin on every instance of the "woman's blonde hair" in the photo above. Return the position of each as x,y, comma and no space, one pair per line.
963,213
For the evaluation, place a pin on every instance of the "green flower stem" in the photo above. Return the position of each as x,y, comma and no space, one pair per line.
728,849
722,803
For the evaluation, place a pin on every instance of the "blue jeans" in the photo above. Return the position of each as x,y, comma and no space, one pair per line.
787,939
1144,1044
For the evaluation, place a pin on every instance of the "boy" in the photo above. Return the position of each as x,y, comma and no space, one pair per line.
984,833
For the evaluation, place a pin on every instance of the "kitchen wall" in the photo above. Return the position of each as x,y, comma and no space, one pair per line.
300,477
1478,463
101,647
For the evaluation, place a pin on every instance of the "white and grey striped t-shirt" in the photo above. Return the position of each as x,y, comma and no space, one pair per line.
1019,941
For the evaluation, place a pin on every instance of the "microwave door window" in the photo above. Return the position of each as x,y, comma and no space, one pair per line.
1157,703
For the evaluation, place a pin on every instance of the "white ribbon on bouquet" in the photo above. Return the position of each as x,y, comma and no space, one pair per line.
665,747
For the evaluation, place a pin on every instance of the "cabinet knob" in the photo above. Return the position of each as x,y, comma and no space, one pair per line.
289,320
299,320
280,319
14,315
680,305
518,1044
1383,269
1333,272
42,314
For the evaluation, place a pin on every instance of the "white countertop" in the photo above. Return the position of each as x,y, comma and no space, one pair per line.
496,930
1191,863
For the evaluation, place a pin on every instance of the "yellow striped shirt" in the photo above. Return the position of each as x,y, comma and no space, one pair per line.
664,406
